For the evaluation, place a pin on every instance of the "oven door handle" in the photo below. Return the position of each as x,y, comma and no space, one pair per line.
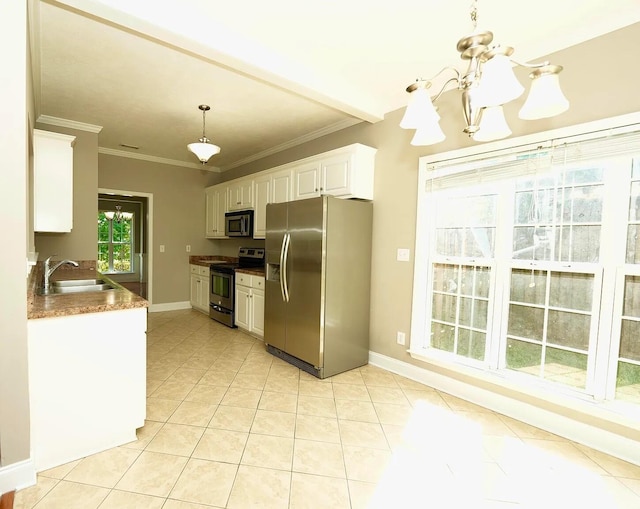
284,282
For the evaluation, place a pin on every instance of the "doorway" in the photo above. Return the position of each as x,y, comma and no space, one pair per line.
137,275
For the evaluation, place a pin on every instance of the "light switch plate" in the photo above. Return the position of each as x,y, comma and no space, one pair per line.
162,248
403,255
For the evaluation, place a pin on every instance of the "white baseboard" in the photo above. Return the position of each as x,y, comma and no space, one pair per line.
169,306
571,429
17,476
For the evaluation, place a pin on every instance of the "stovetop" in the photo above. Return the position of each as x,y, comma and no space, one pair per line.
248,257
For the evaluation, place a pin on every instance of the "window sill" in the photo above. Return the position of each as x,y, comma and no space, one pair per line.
554,399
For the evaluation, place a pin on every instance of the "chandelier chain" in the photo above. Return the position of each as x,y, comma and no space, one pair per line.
474,13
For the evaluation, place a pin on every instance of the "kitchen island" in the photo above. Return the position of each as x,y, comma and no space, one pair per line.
87,368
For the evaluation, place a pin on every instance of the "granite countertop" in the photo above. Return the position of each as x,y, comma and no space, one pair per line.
206,260
49,306
254,271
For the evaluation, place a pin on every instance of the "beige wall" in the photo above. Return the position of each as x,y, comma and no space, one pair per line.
594,92
16,106
81,242
178,215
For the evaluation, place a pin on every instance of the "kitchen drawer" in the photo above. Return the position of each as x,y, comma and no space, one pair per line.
243,279
249,280
199,270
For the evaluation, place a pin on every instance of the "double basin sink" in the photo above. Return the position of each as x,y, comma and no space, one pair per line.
77,286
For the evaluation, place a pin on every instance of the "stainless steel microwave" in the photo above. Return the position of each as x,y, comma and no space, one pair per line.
238,223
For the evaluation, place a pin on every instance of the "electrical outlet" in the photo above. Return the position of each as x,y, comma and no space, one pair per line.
162,248
188,248
400,338
402,255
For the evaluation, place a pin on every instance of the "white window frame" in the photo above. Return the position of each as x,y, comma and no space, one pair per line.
420,305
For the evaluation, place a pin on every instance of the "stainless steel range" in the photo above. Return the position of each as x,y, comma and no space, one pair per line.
222,284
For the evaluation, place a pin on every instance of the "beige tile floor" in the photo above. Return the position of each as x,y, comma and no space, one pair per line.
229,425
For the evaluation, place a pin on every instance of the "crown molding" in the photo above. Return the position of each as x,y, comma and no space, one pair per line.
338,126
72,124
155,159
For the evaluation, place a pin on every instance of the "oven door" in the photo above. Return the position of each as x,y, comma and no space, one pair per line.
222,289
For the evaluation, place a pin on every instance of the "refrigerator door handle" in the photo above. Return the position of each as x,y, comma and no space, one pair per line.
284,268
284,241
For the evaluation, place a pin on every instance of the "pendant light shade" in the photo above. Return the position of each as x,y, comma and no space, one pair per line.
545,97
203,149
493,125
498,84
420,111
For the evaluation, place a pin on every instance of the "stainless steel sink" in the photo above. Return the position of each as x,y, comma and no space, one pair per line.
77,286
81,288
77,282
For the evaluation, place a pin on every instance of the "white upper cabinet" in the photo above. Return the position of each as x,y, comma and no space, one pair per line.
240,194
281,189
216,207
52,181
262,188
345,172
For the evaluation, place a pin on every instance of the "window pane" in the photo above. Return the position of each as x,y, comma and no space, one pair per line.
524,356
634,202
445,278
633,244
528,286
103,258
442,336
444,307
578,244
568,329
583,176
568,368
628,382
635,168
580,204
475,281
630,340
571,290
449,241
632,296
525,322
471,344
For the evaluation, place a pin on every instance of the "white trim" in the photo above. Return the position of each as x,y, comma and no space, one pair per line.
577,431
338,126
512,143
17,476
149,229
155,159
72,124
169,306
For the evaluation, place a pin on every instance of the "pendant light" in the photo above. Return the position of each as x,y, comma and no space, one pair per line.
203,149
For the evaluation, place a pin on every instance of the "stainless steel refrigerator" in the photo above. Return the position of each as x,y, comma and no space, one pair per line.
318,278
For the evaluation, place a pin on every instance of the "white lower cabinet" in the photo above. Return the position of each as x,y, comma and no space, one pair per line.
87,383
199,288
250,303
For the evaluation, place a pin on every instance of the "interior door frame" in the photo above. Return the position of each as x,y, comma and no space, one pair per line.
149,227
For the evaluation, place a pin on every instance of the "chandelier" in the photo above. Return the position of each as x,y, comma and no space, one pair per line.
118,216
487,84
203,149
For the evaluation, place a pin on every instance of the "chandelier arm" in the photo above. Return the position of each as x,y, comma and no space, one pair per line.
534,65
443,89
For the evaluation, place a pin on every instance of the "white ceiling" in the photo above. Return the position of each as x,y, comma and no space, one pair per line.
274,73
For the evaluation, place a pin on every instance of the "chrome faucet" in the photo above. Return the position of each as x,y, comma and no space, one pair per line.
49,270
